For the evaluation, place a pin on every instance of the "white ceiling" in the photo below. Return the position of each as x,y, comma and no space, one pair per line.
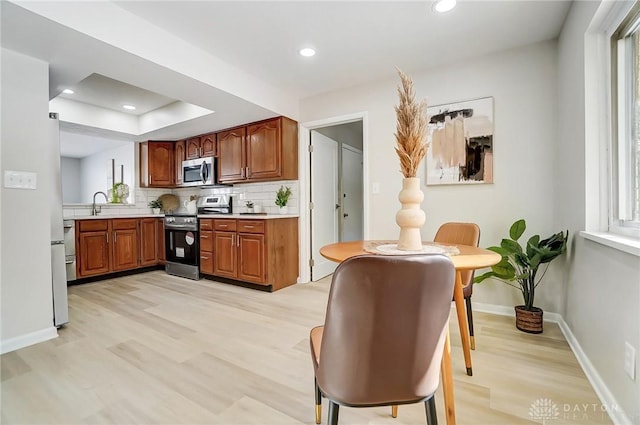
108,93
357,42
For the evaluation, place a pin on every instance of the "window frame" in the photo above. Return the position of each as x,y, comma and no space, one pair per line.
622,157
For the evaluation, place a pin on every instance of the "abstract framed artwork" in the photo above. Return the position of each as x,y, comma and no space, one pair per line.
461,143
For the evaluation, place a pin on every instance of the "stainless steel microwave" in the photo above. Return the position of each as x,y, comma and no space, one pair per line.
199,172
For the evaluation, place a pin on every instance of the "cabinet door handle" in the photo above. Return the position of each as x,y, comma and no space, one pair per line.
238,240
249,227
115,238
107,238
149,178
246,173
233,240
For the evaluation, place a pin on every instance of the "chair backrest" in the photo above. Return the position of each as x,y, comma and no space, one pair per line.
384,329
460,233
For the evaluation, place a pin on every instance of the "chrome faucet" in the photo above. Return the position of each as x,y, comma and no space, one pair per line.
94,210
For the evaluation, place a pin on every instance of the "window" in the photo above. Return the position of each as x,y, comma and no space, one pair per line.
625,49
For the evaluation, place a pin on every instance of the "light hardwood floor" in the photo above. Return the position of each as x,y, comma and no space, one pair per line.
154,348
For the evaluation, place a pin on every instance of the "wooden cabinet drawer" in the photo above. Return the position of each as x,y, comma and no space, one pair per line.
206,240
251,226
206,224
92,225
206,262
124,223
225,225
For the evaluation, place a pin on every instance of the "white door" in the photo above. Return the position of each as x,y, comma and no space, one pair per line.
352,194
324,197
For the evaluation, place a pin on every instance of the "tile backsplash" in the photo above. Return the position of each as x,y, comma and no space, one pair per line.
262,194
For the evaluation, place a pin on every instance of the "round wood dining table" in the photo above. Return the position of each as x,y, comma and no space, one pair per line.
466,258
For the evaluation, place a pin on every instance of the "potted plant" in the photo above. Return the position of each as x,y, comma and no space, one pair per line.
282,197
519,268
250,206
156,206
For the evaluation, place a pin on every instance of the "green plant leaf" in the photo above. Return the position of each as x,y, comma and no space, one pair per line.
483,276
517,229
504,270
534,261
533,241
511,246
499,250
521,259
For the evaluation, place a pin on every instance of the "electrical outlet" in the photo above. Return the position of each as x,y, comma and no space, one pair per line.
630,360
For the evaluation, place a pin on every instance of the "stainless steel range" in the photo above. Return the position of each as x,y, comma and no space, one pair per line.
215,204
182,246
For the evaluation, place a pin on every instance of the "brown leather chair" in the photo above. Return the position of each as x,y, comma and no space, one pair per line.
384,332
465,234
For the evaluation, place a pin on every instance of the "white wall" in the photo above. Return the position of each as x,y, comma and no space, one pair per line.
95,171
603,284
70,175
523,84
27,310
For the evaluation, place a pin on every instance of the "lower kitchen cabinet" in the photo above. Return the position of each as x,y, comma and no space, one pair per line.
149,242
92,248
206,246
263,252
125,244
105,246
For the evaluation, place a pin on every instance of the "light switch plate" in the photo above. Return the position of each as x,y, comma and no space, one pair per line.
375,188
20,179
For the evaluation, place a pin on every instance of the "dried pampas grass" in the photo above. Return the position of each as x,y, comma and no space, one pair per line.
411,128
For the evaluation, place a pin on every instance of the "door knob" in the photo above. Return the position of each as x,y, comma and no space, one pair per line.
337,206
345,215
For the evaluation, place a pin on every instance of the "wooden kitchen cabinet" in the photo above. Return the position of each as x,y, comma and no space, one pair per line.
178,157
92,248
106,246
201,146
148,241
263,252
160,241
125,244
262,151
157,164
206,246
231,155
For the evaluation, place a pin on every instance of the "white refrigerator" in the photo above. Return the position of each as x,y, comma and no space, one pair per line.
58,267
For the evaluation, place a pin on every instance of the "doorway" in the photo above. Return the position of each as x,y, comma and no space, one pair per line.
336,190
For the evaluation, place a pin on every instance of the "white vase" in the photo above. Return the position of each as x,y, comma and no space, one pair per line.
410,218
283,210
155,210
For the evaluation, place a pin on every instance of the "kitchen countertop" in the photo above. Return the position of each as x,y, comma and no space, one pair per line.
230,216
109,216
249,216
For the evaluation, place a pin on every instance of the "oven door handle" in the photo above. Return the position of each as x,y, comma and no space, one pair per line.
170,241
182,227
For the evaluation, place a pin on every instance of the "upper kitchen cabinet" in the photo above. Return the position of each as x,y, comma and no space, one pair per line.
262,151
178,157
231,155
201,146
157,164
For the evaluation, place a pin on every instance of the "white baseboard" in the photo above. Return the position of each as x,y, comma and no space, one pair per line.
617,415
22,341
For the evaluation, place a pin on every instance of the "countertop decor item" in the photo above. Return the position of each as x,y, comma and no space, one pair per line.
519,269
169,201
411,148
155,205
250,206
282,198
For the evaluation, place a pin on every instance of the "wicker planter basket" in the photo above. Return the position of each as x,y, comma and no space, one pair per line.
529,320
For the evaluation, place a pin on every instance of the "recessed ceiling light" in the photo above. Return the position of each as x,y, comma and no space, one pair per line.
307,51
444,5
129,107
68,91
